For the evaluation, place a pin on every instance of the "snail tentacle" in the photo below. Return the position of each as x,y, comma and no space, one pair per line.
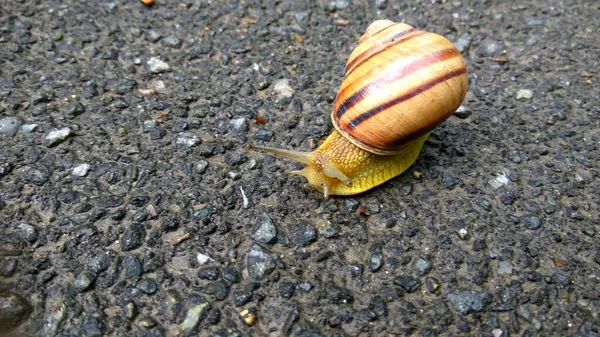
332,171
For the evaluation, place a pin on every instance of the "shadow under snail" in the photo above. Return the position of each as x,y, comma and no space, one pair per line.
399,84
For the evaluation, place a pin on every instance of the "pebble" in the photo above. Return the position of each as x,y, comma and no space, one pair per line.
8,267
286,289
465,301
330,231
172,41
81,170
156,65
448,180
133,266
283,89
241,297
260,262
92,327
302,233
504,268
248,316
37,177
338,295
376,259
187,139
27,129
74,109
192,318
265,231
338,5
209,273
84,281
231,275
350,205
263,134
133,237
408,283
524,312
560,278
99,262
422,266
524,93
531,221
13,310
57,136
462,112
238,125
463,42
10,125
220,289
147,286
28,232
514,156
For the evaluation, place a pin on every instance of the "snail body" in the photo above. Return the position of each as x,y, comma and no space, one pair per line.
399,84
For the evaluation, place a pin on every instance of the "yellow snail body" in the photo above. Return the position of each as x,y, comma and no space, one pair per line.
400,83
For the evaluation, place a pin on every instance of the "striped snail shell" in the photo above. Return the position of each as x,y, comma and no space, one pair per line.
399,84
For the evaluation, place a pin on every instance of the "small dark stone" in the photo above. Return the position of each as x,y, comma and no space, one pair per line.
338,295
169,224
68,197
8,267
121,103
147,286
84,281
39,98
133,237
241,297
263,134
133,266
304,286
350,205
234,159
448,181
260,262
157,133
37,177
265,231
422,266
231,275
126,87
302,234
466,301
286,289
331,231
560,278
531,221
514,156
92,327
209,273
507,197
99,262
28,232
376,260
220,289
484,204
74,109
408,283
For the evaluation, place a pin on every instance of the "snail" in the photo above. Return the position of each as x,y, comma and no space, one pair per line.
399,84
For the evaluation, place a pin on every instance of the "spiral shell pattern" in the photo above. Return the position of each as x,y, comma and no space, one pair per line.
400,83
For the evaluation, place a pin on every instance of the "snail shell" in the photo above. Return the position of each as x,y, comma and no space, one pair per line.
400,83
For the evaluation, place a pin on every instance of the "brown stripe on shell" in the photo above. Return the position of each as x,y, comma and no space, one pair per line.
373,112
378,48
431,59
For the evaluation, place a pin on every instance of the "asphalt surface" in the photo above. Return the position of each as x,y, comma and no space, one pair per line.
128,206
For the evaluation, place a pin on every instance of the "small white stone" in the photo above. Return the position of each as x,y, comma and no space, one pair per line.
156,65
56,136
80,170
28,128
505,268
499,181
524,93
497,332
283,89
202,259
463,233
187,139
